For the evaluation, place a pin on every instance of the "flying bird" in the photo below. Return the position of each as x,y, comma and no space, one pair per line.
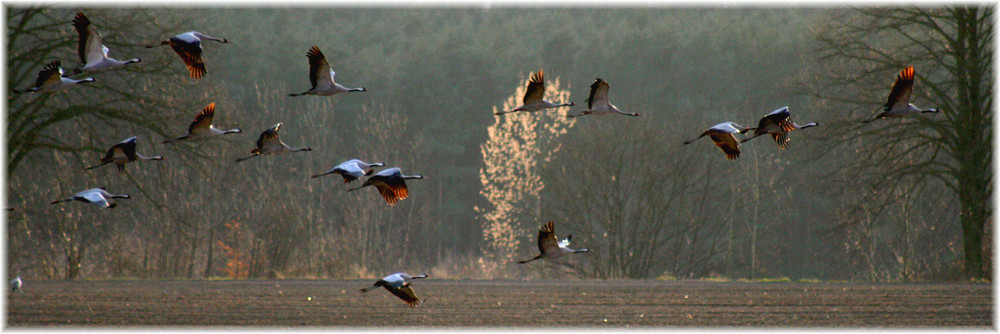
352,169
51,79
202,126
550,247
533,96
391,183
93,54
898,104
123,153
269,143
778,123
597,103
399,285
188,47
722,135
96,196
321,76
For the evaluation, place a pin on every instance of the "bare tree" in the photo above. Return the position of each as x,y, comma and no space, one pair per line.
129,97
644,206
951,48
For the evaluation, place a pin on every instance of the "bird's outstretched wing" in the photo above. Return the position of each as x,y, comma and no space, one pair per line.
536,88
319,69
900,95
406,294
547,238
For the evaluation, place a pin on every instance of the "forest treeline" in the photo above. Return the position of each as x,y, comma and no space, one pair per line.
624,187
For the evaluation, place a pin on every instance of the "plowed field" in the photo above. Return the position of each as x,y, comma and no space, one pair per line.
615,304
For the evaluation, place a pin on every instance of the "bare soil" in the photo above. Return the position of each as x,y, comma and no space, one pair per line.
506,303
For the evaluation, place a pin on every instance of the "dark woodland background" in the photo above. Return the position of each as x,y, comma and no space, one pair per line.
893,200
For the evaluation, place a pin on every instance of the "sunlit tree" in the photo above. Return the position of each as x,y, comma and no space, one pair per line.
518,145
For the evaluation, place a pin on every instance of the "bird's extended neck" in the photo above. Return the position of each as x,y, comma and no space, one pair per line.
155,157
203,36
807,125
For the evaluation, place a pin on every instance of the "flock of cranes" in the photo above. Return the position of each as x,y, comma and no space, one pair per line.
779,122
390,182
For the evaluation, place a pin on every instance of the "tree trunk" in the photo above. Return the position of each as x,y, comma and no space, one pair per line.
208,262
73,260
973,137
